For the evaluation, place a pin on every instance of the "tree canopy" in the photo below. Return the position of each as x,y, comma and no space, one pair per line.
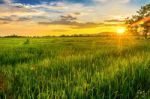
141,19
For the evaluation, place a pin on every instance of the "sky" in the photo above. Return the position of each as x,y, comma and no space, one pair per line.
57,17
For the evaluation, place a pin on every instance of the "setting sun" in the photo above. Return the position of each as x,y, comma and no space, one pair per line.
121,30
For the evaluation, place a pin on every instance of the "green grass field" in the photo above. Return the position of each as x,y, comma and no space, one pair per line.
74,68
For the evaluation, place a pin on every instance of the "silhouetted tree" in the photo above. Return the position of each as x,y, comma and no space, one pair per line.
142,13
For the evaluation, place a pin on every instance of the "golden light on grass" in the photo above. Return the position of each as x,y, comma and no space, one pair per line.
121,30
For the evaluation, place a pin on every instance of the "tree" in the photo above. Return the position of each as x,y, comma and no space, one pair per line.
146,27
142,19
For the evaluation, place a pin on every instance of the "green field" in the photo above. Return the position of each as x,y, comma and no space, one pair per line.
74,68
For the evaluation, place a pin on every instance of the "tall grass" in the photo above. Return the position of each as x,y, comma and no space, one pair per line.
74,68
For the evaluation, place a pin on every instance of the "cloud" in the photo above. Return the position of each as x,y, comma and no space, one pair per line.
65,13
1,22
7,1
68,18
73,25
23,19
68,11
102,1
13,18
71,21
5,19
15,9
114,1
113,20
59,22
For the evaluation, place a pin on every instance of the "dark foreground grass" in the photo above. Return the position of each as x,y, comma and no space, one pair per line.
74,68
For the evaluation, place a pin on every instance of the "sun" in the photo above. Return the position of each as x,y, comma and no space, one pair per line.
121,30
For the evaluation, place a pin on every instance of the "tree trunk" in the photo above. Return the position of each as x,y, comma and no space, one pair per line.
146,30
145,35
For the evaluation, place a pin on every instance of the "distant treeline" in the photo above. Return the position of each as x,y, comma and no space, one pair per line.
12,36
89,35
64,35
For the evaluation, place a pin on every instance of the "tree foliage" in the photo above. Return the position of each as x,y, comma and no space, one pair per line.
142,13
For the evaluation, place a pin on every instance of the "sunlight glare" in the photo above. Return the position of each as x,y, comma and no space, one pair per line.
121,30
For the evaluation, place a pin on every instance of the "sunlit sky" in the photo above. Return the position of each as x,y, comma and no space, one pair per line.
57,17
